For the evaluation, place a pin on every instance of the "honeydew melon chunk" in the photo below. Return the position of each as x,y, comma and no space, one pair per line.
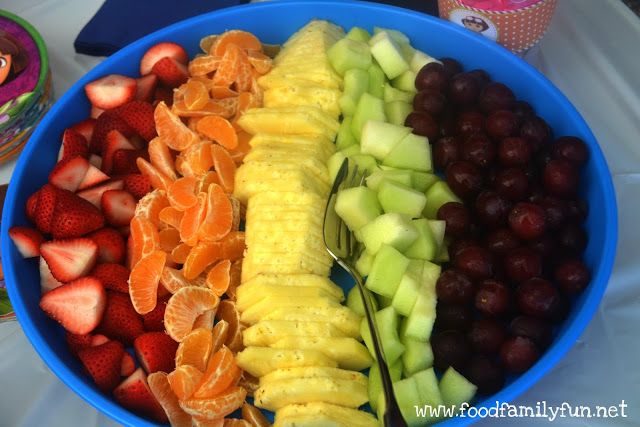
407,396
356,82
412,152
397,112
334,163
406,294
443,255
428,389
415,267
387,324
396,35
437,195
386,271
393,229
375,381
419,60
368,108
405,81
377,79
430,272
426,246
357,206
379,137
397,175
364,263
417,356
354,301
419,324
360,34
392,94
364,162
345,137
388,54
384,301
456,389
396,197
421,181
351,150
347,53
438,229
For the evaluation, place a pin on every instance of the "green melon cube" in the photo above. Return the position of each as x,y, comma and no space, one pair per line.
407,51
364,162
386,271
397,112
359,34
388,54
437,195
383,301
396,35
392,94
379,138
357,206
419,324
375,381
356,82
443,255
392,229
335,163
406,294
407,396
425,246
437,229
368,108
415,268
355,303
428,389
419,60
412,152
430,273
351,150
346,54
417,356
405,81
364,263
377,79
397,175
345,137
387,323
455,388
395,197
421,181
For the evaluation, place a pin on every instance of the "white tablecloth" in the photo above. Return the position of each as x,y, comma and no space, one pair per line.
591,53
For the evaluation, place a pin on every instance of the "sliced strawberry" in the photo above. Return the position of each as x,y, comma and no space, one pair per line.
128,365
124,161
163,94
156,351
111,247
107,122
103,363
47,281
125,231
94,176
47,197
95,112
139,116
146,87
77,306
78,342
118,207
31,206
73,216
94,195
120,320
68,174
170,72
159,51
137,184
113,276
73,144
96,160
27,240
115,141
154,320
98,339
85,128
70,259
134,394
111,91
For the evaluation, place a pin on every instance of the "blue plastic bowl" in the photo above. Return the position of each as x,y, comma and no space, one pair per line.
274,23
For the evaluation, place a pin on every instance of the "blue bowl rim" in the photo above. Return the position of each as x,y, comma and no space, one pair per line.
509,393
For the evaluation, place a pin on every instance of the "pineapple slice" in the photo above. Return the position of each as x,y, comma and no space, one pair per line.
259,361
322,414
341,317
348,352
259,310
246,296
273,283
316,96
267,332
314,372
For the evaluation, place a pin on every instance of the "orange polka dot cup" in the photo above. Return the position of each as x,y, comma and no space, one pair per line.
516,24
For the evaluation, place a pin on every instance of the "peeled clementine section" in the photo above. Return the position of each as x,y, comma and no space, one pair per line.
171,129
150,205
219,219
144,238
168,239
243,147
259,61
219,335
191,220
161,390
242,40
197,158
144,280
184,380
227,311
173,279
254,416
195,349
217,407
219,277
183,308
224,166
206,180
159,180
161,157
218,129
203,65
221,92
196,95
236,422
171,216
220,374
180,253
181,193
235,273
200,257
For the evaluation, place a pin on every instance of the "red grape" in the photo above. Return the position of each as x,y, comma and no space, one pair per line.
512,183
486,335
464,89
514,151
445,151
486,374
573,239
454,287
496,96
538,298
572,276
464,178
518,354
527,220
501,124
469,123
501,241
478,149
450,348
423,124
457,218
432,76
492,209
453,316
572,149
474,261
430,101
492,298
536,131
451,66
522,110
536,330
522,264
560,178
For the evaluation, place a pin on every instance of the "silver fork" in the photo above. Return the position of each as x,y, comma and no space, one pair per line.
345,249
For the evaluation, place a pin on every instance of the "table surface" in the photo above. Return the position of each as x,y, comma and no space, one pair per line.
587,53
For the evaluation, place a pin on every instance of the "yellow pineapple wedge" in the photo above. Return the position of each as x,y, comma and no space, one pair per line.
248,295
322,414
258,311
266,332
341,317
259,361
314,372
348,352
273,283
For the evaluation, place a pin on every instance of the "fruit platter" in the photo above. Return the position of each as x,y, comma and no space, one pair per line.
163,232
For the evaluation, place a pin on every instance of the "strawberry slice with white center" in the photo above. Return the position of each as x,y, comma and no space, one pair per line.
170,72
134,394
96,160
69,173
69,259
94,195
94,176
103,362
73,144
85,128
27,240
118,207
111,91
128,365
47,281
146,87
77,306
159,51
115,141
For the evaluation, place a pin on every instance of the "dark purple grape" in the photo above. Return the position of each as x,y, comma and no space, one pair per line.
572,239
482,76
451,66
432,76
494,97
492,298
450,348
571,149
454,287
542,158
518,354
457,218
478,149
522,110
577,210
501,124
464,178
555,211
514,151
512,183
459,244
572,276
469,123
453,316
423,124
464,89
486,335
522,264
538,298
536,330
501,241
486,374
492,209
545,245
430,101
445,151
474,261
527,220
536,131
560,178
448,125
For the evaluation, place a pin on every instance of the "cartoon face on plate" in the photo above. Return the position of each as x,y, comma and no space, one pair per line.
13,58
474,21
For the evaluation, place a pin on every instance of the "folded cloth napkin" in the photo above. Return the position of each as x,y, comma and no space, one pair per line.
120,22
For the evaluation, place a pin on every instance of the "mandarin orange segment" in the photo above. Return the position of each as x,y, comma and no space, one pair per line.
228,68
161,157
180,253
249,382
192,123
221,372
195,349
241,39
173,279
217,407
144,280
168,238
183,308
243,147
218,129
206,180
203,65
159,181
202,422
181,193
196,95
244,75
219,335
171,129
222,92
259,61
224,166
205,320
150,205
200,257
236,422
161,389
235,274
254,416
219,277
197,158
219,219
171,216
227,311
213,107
233,245
144,238
184,380
191,221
